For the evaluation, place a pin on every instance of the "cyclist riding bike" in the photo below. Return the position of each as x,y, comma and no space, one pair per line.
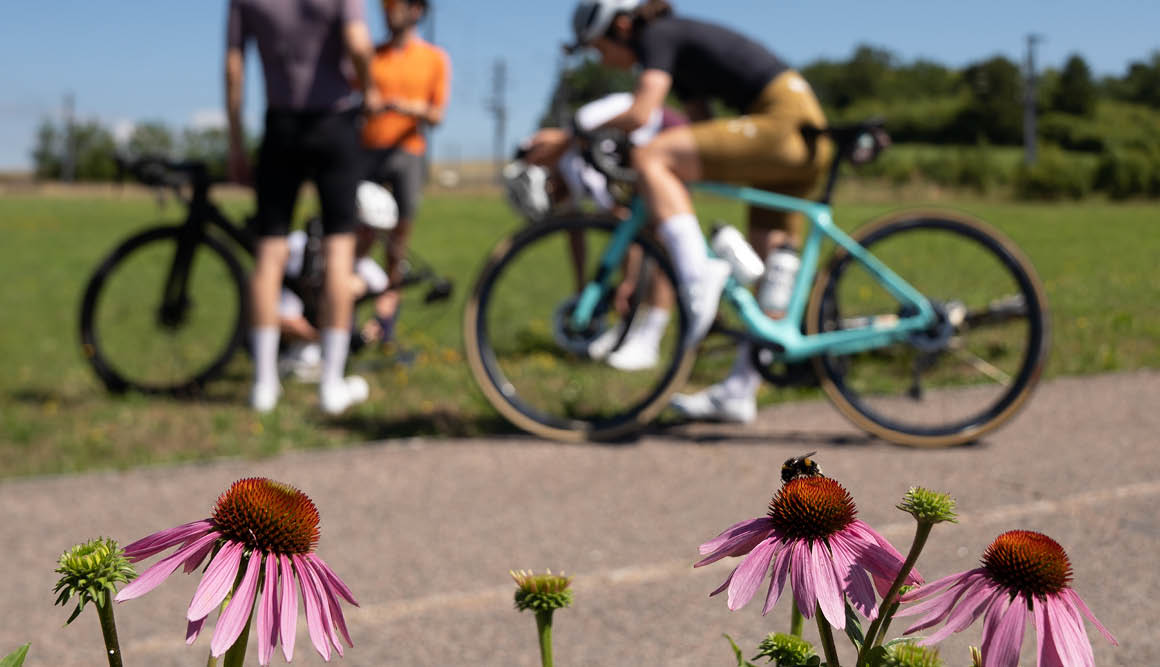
764,147
551,174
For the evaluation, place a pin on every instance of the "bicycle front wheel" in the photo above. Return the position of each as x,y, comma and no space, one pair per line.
136,336
972,369
538,371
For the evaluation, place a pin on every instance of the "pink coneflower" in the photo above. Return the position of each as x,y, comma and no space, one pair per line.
262,534
812,535
1024,574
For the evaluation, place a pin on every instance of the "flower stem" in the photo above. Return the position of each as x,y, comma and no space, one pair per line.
889,604
827,638
236,655
109,630
544,627
796,620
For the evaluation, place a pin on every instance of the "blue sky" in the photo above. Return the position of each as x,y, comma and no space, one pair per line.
133,60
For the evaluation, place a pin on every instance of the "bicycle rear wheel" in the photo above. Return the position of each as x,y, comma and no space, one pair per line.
530,363
969,372
136,338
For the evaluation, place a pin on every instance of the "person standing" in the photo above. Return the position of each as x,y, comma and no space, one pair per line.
413,79
306,48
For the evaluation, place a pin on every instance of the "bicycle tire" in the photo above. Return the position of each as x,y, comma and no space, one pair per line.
488,365
98,346
1029,321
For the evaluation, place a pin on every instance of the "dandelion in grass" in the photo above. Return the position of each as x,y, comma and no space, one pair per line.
1024,575
811,535
262,535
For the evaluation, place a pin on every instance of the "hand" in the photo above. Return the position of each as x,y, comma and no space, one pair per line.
372,101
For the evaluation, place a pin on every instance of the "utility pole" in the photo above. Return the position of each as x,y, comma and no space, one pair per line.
498,108
68,163
1030,132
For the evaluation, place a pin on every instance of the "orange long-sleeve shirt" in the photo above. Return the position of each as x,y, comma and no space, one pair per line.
416,72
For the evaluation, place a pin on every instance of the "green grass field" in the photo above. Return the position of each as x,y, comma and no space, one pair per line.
1096,260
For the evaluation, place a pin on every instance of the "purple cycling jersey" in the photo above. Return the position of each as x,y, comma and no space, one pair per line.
302,47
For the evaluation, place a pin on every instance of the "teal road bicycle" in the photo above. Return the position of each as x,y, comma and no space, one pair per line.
925,328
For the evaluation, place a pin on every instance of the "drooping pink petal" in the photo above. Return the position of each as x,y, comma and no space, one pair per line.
268,611
1078,603
852,577
1046,655
1068,634
879,557
738,540
288,613
829,593
312,601
940,606
328,576
724,585
219,578
935,586
802,578
974,602
195,559
153,577
776,580
331,596
236,615
1001,645
192,630
328,623
162,540
749,574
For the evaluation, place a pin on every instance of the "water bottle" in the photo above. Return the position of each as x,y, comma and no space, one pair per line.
730,245
776,287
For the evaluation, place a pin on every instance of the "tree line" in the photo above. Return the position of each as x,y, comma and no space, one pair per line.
89,150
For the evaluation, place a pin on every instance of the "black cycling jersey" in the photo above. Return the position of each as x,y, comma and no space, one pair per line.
707,61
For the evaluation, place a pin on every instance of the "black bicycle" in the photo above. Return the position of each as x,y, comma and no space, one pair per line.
165,311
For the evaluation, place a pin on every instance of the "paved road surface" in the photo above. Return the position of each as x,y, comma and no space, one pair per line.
425,531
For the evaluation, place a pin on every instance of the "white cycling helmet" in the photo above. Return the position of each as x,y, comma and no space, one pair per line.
593,17
375,206
526,186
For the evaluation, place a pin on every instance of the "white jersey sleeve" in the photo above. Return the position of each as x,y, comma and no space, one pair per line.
600,111
372,274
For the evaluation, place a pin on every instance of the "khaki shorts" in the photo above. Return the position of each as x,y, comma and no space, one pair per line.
765,148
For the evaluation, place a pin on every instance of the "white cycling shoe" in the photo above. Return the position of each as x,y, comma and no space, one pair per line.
715,404
264,396
703,297
302,361
635,353
335,397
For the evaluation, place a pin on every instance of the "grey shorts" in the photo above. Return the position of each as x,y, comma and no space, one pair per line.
402,172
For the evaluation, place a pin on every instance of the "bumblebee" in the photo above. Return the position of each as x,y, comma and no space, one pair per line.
800,466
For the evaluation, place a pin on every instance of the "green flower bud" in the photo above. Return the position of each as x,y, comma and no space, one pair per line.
91,572
541,592
787,651
929,507
908,654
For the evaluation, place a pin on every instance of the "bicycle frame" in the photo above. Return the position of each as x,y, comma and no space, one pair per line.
784,334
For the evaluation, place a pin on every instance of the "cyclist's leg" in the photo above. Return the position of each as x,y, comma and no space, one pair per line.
665,164
338,169
280,173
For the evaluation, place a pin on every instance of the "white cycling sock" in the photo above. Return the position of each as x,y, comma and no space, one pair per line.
335,345
682,237
649,324
743,379
264,341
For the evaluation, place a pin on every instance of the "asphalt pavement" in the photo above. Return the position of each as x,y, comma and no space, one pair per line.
424,531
